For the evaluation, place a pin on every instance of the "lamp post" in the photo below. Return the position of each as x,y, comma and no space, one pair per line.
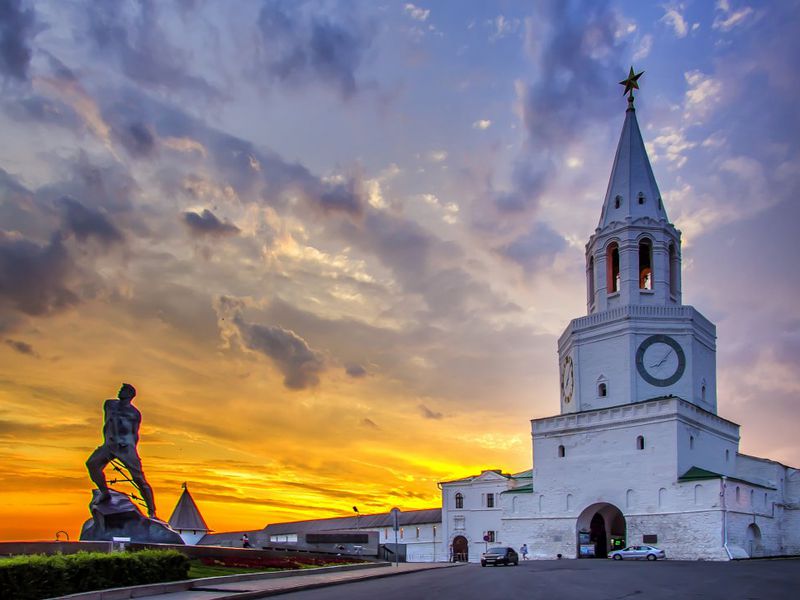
355,510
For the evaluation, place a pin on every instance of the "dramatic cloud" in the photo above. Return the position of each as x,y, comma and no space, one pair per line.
430,414
132,34
21,347
34,278
207,223
17,28
355,370
299,48
674,19
417,13
535,249
85,223
300,365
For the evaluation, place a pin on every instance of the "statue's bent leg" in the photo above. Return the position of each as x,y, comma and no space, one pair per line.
95,464
133,463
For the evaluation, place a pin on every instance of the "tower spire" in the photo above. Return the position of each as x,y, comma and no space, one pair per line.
632,189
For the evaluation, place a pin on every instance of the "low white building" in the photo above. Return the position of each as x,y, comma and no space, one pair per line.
472,511
638,454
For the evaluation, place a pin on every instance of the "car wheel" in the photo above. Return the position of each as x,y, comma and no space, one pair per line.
516,563
617,557
483,563
651,557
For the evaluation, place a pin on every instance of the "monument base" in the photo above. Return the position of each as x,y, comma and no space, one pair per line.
119,517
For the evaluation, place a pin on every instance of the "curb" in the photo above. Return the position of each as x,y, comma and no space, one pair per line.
155,589
255,594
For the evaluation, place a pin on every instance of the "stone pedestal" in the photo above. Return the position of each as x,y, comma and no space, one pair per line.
119,517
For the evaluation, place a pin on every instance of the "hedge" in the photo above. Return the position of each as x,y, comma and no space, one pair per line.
39,576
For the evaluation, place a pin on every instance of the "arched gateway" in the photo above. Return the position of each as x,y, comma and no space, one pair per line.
600,528
460,549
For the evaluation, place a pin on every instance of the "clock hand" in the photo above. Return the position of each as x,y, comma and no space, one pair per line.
661,362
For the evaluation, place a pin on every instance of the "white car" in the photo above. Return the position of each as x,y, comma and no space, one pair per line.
638,553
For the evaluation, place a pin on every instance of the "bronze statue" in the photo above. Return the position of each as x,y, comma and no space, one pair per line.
121,434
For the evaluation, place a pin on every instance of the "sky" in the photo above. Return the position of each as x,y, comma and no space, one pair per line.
333,244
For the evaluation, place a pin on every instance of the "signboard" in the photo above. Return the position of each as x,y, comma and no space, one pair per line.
486,538
395,518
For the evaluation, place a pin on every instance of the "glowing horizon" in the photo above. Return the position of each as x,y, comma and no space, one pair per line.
333,245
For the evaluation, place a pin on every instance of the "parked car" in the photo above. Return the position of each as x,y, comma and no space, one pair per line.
500,556
638,553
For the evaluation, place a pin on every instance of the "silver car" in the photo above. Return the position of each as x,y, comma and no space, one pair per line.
638,553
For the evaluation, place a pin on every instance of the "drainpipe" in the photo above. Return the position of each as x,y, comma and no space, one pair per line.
725,518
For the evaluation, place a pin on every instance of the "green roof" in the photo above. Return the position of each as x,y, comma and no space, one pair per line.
523,489
698,474
524,474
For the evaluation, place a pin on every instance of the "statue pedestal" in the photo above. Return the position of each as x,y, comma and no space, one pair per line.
119,517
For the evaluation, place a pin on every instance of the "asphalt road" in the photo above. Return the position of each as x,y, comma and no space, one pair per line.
583,580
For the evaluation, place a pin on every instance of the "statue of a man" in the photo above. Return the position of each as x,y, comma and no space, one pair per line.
121,434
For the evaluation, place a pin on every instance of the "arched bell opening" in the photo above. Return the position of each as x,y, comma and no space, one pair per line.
600,528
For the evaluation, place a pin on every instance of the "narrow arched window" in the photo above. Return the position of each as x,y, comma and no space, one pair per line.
691,442
703,392
602,390
617,201
612,266
459,500
673,270
561,452
640,442
641,198
727,455
645,264
738,494
591,280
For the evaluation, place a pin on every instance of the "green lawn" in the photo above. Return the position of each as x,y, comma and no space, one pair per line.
198,570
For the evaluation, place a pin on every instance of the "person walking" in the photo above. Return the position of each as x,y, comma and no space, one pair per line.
524,551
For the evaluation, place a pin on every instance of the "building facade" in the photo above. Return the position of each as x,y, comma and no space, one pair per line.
638,453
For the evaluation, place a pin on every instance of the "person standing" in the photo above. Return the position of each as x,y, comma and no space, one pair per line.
524,551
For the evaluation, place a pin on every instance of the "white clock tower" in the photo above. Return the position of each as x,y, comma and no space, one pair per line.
638,341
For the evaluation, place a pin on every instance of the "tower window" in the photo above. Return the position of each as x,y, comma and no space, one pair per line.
645,264
691,442
602,390
459,500
660,206
703,392
727,455
591,280
641,198
561,452
489,500
612,262
640,442
617,201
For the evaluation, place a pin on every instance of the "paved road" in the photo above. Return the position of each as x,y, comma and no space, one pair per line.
583,580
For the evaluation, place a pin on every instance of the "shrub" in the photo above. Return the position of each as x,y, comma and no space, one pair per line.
38,576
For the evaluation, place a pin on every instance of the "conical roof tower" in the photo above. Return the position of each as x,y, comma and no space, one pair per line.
186,518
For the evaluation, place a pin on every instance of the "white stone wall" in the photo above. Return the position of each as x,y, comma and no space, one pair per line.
477,518
424,542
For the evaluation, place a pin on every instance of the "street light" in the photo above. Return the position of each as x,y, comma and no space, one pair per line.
355,510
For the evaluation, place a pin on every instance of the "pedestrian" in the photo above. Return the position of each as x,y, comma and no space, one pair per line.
245,541
524,551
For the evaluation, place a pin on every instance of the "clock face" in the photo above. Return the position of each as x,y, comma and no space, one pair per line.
660,360
567,379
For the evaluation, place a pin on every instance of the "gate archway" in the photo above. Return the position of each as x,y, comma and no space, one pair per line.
600,528
460,549
753,540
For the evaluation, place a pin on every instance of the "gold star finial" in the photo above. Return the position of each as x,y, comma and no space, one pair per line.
631,83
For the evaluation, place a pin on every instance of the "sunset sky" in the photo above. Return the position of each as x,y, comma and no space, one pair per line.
333,244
